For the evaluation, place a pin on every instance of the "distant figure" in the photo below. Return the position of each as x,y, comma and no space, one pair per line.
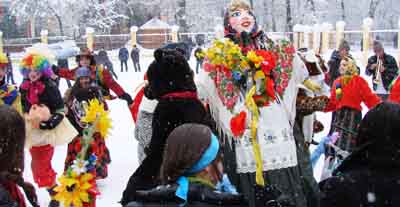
63,63
336,58
10,74
135,55
199,58
103,59
123,57
383,68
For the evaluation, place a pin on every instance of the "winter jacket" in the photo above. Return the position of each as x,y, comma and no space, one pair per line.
199,195
388,75
102,77
50,97
123,54
333,64
354,93
394,95
135,54
368,177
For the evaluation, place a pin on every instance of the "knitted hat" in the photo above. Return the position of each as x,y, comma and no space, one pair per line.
35,62
344,45
377,45
82,72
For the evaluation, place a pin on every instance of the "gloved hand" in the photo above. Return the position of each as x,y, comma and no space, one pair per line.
271,196
30,193
226,186
312,85
127,98
53,122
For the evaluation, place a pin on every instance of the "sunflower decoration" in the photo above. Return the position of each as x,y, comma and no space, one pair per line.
96,115
74,190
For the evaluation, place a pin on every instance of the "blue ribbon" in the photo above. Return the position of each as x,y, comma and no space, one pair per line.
208,157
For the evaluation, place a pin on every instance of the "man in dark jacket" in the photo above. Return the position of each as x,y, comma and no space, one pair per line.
123,56
384,70
135,55
334,62
199,58
10,74
103,59
370,176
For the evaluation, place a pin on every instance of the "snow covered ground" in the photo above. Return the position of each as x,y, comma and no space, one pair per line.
121,142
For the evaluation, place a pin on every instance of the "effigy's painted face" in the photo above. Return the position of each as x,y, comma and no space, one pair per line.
241,20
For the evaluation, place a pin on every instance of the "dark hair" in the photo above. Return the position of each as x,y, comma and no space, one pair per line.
12,140
169,72
185,146
380,125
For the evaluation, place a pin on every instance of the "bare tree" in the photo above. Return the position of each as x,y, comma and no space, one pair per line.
289,19
343,10
373,4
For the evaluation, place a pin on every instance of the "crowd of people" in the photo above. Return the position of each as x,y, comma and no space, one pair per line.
237,136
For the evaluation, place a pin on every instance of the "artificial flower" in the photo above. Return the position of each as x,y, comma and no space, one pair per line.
254,58
238,124
290,50
73,190
79,166
208,67
270,88
95,114
229,87
269,60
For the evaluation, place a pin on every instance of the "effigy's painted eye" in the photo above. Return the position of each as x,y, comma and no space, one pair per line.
236,14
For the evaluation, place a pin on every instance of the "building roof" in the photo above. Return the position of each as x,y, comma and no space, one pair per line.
5,3
155,23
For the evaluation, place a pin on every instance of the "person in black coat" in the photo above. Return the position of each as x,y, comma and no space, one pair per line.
191,156
171,82
135,55
370,175
10,71
123,56
103,59
387,70
199,58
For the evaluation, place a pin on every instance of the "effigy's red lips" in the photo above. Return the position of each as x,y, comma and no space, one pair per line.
246,24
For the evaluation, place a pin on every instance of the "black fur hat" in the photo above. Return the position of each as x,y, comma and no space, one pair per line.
168,73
